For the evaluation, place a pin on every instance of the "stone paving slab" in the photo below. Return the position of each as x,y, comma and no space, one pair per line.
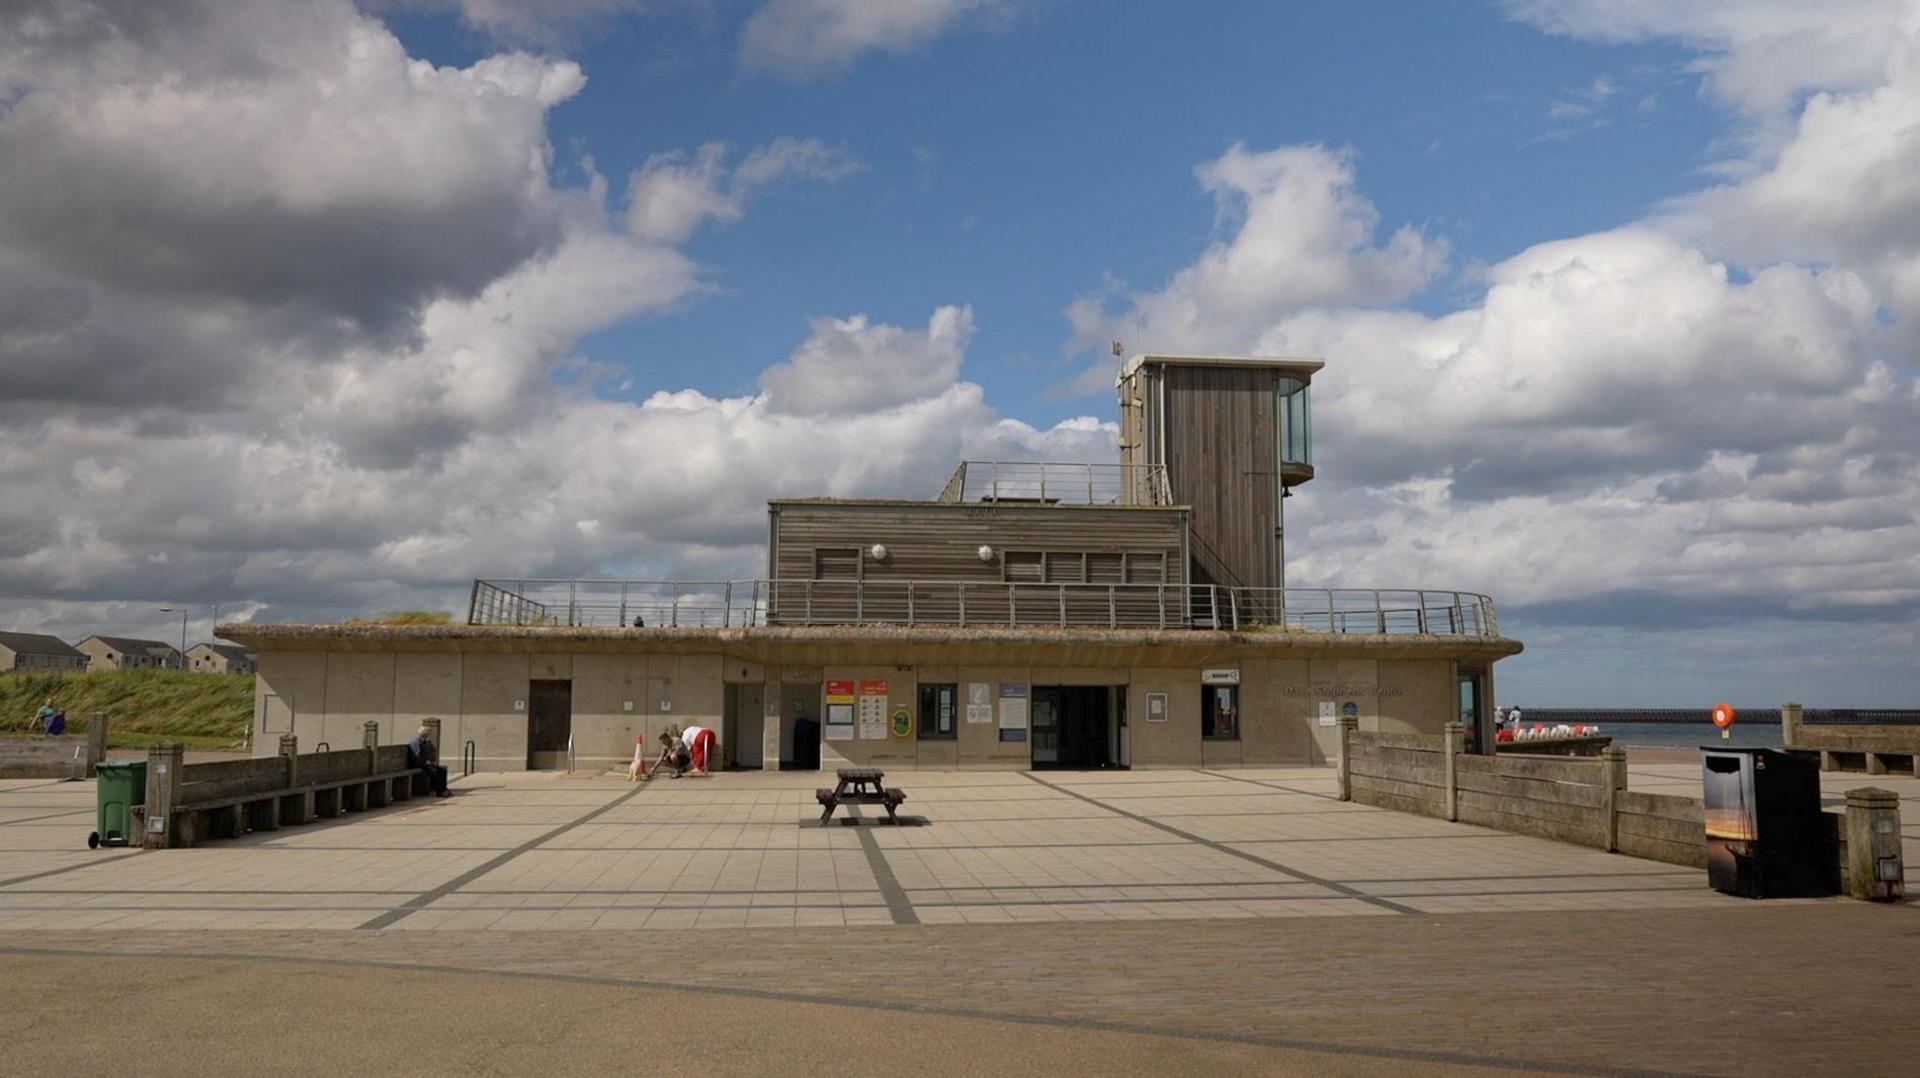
549,853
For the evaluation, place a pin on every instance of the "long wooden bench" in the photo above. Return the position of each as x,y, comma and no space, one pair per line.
269,810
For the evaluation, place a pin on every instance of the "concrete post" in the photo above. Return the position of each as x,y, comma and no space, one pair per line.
1347,725
96,740
290,752
164,761
1613,779
1790,716
370,734
433,735
1453,737
1874,868
772,701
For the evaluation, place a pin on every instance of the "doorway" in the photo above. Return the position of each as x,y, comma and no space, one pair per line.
1077,726
1474,712
800,726
549,724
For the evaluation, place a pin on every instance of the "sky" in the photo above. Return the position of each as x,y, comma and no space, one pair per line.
311,309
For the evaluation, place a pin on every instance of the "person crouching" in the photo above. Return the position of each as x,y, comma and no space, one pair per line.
673,753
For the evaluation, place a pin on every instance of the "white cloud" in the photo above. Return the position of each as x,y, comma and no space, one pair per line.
197,434
1302,235
848,365
804,37
673,193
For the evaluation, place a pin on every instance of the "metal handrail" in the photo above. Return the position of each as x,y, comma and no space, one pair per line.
1012,604
1058,483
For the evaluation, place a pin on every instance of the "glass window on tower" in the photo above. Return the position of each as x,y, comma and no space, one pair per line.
1296,422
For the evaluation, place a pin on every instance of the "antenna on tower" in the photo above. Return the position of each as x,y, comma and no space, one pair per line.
1118,350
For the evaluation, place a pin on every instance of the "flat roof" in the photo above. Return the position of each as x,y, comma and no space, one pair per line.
1297,364
1006,503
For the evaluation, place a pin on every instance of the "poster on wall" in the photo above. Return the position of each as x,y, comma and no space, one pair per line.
979,703
1013,706
873,710
839,725
1326,712
1156,707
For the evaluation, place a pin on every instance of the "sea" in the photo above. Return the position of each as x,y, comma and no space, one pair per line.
1687,735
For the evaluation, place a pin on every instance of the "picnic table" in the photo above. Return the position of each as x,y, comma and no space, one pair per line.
859,786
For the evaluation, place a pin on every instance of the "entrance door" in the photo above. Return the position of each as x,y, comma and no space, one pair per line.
549,724
1073,726
1473,711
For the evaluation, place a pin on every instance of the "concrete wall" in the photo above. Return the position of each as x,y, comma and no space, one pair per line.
617,697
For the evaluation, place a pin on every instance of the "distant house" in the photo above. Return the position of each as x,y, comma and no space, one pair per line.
220,659
38,651
124,653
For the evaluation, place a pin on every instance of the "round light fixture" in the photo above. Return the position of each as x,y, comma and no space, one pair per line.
879,551
986,553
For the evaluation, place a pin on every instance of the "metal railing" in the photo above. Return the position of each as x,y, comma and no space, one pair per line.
1053,483
984,603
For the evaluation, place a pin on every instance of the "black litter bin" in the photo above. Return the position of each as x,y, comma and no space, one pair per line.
1766,835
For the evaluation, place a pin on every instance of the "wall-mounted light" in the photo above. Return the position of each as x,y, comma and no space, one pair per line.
879,551
986,553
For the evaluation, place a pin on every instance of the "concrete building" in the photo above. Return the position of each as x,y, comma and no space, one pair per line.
1029,615
126,653
38,651
220,659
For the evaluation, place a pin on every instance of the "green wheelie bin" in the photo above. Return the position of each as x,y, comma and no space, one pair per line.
122,785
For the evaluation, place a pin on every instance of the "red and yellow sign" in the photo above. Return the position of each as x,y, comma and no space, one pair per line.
839,692
873,688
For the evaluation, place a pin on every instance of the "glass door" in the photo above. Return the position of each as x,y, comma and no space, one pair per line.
1046,725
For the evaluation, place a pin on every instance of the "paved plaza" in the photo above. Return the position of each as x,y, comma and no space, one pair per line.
1142,922
546,851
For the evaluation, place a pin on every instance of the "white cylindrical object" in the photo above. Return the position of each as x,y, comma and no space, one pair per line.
986,553
879,551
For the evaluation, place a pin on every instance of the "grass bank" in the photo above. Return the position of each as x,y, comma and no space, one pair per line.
201,711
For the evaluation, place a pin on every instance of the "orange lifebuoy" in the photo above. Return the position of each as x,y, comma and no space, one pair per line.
1723,715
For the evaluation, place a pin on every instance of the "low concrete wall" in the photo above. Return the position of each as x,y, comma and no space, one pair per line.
1568,799
1888,744
1661,827
69,756
1580,801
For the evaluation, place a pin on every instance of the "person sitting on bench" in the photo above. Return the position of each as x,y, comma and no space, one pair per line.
422,754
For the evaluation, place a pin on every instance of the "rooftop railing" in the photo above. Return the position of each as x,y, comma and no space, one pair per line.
1053,483
986,603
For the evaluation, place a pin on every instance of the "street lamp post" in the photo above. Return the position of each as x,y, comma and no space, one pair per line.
183,612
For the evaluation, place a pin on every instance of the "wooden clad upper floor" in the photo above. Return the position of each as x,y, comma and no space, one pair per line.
965,563
835,539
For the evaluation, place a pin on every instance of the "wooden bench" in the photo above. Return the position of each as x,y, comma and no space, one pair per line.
269,810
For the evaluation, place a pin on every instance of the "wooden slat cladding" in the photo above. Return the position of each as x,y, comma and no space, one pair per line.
941,542
936,541
1222,456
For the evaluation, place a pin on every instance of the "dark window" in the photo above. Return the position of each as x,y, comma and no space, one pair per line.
1023,567
939,712
1146,568
836,563
1066,569
1220,712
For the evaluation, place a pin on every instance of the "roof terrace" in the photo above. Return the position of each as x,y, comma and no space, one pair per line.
992,604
